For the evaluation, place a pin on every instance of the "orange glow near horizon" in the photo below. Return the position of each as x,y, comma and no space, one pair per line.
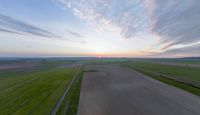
115,54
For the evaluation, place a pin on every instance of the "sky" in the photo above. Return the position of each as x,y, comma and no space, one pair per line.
106,28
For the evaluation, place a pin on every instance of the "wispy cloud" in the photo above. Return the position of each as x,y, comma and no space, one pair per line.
76,34
183,52
174,21
178,20
128,17
169,45
84,42
29,46
22,27
8,31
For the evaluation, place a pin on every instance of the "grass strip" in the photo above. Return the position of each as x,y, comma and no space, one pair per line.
179,84
70,103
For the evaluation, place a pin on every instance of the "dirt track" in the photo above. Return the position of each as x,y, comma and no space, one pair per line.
112,90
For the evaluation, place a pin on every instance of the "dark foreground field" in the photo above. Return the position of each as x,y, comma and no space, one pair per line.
114,90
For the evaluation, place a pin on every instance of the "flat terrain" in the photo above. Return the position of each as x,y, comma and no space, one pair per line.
33,86
113,90
188,75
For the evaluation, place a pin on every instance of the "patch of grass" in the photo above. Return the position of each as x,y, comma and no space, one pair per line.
70,104
172,82
183,61
186,74
185,78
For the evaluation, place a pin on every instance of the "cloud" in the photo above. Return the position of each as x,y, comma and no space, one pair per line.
22,27
74,33
8,31
83,42
148,52
178,20
169,45
29,46
128,17
182,52
174,21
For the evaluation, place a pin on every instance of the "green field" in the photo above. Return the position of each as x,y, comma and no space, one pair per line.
182,61
187,78
34,90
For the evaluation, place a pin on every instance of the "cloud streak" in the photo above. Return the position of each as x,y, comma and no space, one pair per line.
76,34
22,27
183,52
8,31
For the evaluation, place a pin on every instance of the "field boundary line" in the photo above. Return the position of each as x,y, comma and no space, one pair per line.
57,106
168,77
